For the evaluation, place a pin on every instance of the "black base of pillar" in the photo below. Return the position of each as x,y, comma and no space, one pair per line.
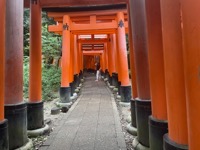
119,88
76,80
72,85
4,145
81,74
171,145
65,94
35,116
125,93
143,111
133,114
17,121
110,79
106,74
157,129
103,74
114,79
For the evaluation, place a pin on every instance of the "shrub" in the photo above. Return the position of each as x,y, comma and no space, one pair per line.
50,80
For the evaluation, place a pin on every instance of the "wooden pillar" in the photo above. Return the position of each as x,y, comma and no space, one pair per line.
76,60
113,47
35,119
110,60
72,84
106,59
118,66
122,58
113,57
80,58
103,64
133,73
2,58
174,76
158,119
3,121
15,108
65,90
76,63
143,103
116,57
192,68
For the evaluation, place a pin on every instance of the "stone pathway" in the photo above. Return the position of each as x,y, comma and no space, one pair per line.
92,123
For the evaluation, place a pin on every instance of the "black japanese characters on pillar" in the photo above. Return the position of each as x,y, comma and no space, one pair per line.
121,24
66,27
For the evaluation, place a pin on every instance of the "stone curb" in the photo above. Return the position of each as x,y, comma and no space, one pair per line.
128,119
38,132
131,130
138,146
27,146
124,104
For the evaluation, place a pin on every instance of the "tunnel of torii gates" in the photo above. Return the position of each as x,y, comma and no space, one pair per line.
164,61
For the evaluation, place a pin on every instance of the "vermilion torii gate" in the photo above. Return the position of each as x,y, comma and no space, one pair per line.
111,21
164,48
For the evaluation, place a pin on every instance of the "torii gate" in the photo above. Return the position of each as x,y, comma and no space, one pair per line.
106,22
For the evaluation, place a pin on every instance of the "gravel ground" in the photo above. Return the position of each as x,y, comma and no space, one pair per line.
124,112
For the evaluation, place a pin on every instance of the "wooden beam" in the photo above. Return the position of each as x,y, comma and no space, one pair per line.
99,41
86,13
97,52
86,27
62,3
94,26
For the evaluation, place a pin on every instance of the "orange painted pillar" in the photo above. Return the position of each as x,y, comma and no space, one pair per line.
106,60
113,58
35,119
118,66
142,102
80,58
122,58
65,90
110,60
72,83
192,68
133,73
3,121
174,75
158,119
116,57
15,108
76,63
103,63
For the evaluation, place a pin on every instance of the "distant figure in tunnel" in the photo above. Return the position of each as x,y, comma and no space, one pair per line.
98,68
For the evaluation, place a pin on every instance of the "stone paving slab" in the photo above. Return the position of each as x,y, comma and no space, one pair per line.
92,123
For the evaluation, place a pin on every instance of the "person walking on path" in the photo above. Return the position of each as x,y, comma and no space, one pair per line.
98,68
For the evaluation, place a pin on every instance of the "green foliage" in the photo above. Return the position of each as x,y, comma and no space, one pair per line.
50,80
26,32
51,44
26,76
